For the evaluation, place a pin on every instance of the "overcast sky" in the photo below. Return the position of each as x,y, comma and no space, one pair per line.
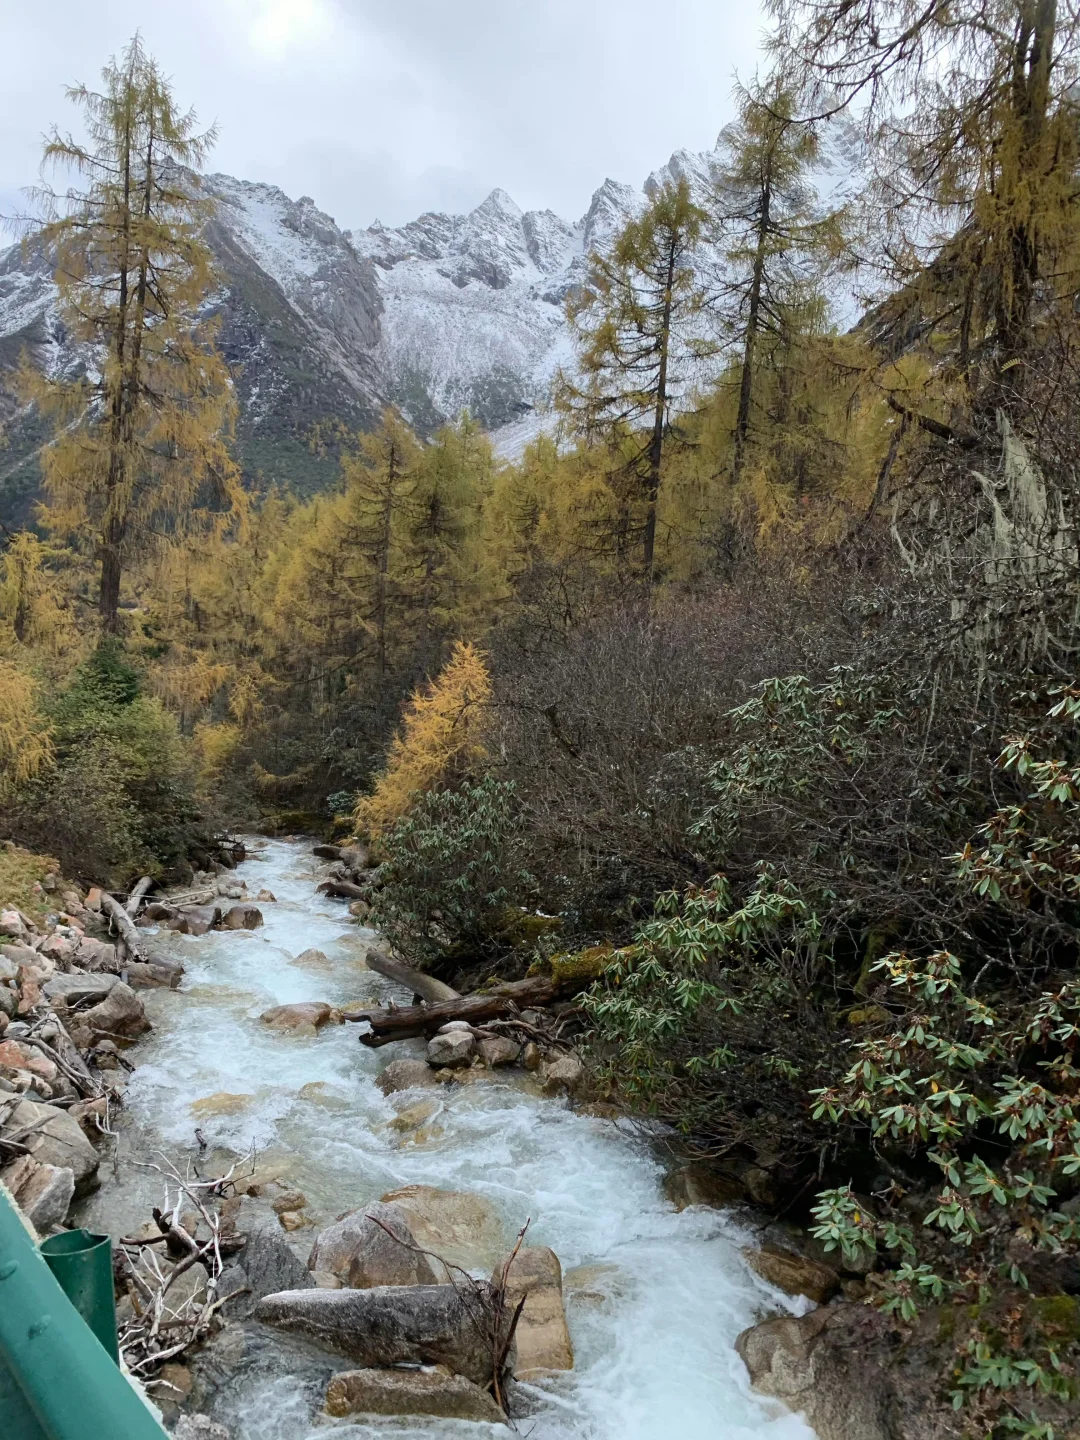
387,108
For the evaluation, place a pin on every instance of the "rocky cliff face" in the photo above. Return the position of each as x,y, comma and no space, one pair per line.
319,324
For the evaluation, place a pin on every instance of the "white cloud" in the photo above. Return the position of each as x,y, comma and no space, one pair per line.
387,109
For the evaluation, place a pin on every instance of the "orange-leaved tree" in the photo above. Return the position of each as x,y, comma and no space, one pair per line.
441,735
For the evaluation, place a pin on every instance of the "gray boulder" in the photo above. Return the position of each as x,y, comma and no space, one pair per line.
53,1137
120,1015
42,1192
434,1390
405,1075
452,1049
359,1251
269,1264
79,988
242,917
390,1325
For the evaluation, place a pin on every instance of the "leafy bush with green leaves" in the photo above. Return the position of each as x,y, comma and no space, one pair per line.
712,1017
452,873
118,798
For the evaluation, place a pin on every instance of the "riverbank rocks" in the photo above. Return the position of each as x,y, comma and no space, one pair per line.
79,988
119,1016
388,1325
850,1372
52,1137
242,917
195,920
266,1265
405,1075
563,1076
455,1225
304,1018
793,1274
497,1050
360,1252
432,1390
542,1335
452,1047
42,1192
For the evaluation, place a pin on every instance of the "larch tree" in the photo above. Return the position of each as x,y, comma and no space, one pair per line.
379,475
773,239
140,455
637,326
971,113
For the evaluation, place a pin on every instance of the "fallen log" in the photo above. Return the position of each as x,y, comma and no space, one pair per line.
124,924
424,987
416,1021
342,890
135,898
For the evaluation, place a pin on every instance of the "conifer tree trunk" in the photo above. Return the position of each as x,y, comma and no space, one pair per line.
656,442
753,322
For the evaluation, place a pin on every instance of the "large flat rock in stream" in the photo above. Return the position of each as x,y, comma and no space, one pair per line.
389,1325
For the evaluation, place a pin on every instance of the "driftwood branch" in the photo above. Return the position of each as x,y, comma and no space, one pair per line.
424,987
414,1021
343,890
135,898
124,924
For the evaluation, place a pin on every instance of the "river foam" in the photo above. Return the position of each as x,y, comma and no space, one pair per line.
653,1337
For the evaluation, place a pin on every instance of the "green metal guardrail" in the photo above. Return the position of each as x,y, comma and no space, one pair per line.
57,1381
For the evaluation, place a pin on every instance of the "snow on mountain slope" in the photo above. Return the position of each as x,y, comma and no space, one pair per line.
320,324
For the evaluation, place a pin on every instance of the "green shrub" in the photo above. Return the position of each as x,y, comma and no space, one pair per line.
452,870
118,797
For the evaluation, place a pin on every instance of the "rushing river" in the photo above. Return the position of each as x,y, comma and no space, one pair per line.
654,1347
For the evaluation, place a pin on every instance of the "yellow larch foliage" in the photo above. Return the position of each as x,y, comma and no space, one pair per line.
441,731
24,736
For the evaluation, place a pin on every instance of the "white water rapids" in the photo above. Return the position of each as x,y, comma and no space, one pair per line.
654,1356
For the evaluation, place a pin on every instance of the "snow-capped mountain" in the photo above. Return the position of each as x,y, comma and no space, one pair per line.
321,324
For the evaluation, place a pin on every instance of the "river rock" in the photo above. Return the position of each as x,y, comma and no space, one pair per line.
119,1016
16,1056
18,956
300,1019
60,949
432,1390
405,1074
199,1427
498,1050
563,1075
54,1138
97,955
850,1372
793,1274
359,1251
266,897
194,920
388,1325
267,1264
154,975
79,988
542,1335
451,1049
455,1225
14,924
242,917
701,1183
42,1192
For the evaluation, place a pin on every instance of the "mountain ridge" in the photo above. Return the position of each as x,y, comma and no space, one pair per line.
321,324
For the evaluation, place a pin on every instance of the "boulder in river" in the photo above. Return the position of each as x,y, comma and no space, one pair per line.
452,1049
52,1137
542,1335
405,1074
242,917
563,1075
358,1250
498,1050
431,1390
195,920
456,1225
301,1019
389,1325
119,1016
266,1265
793,1274
850,1372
